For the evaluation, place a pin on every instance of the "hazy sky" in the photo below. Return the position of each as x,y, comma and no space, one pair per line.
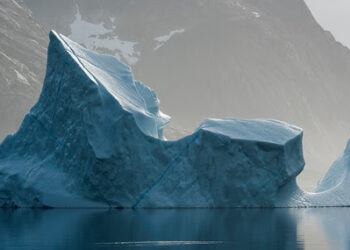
333,15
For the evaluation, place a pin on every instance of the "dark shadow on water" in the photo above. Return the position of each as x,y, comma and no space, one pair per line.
175,229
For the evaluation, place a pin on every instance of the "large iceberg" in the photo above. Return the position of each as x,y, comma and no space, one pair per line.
94,139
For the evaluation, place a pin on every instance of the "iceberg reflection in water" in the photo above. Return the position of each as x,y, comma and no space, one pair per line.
312,228
162,243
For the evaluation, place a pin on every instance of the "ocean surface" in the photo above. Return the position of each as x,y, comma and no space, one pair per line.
72,229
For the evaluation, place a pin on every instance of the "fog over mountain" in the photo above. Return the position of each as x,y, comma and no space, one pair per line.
23,45
236,58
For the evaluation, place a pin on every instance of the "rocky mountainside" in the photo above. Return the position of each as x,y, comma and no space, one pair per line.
23,46
236,58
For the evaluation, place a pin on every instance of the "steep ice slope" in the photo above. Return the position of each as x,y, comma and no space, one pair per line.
337,174
332,189
94,139
23,46
237,58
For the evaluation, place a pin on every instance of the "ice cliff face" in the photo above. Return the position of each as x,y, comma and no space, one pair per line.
94,139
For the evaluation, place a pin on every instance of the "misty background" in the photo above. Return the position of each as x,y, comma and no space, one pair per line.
225,58
333,16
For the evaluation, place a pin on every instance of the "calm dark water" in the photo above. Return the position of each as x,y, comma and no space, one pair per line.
322,228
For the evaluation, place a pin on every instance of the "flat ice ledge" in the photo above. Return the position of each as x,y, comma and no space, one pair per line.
269,131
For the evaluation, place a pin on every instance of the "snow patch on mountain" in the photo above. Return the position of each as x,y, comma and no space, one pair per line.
96,36
161,40
256,14
21,78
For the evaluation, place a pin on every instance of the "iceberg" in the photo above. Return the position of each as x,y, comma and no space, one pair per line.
94,139
331,191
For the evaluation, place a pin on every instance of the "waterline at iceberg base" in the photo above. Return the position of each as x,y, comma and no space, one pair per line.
94,139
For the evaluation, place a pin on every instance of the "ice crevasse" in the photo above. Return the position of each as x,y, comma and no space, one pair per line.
94,139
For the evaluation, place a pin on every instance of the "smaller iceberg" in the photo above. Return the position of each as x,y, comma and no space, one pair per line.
331,191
